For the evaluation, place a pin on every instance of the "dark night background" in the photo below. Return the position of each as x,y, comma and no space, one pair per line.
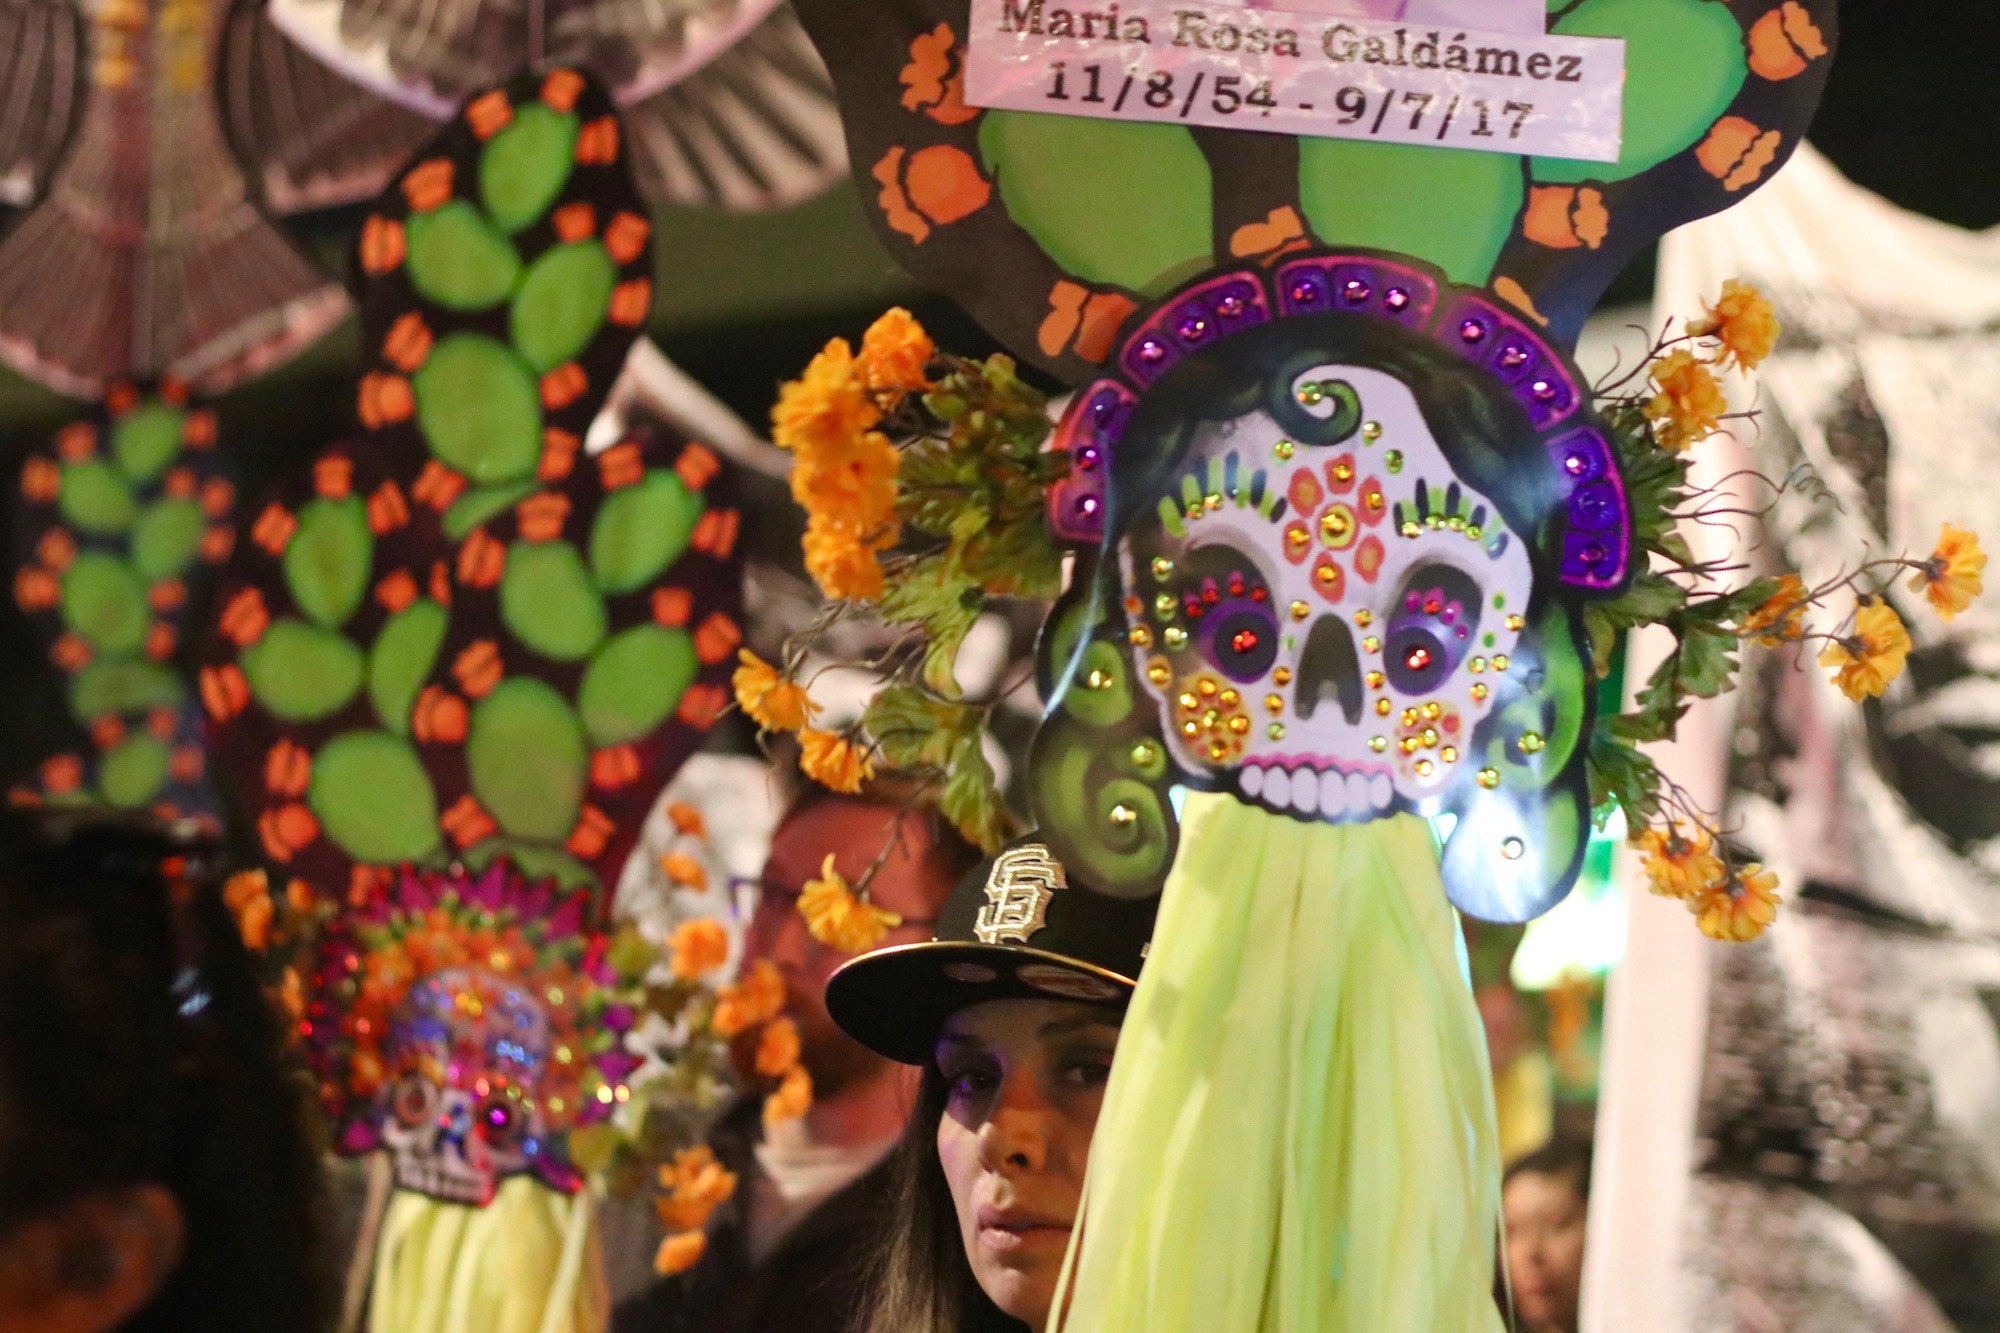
1912,111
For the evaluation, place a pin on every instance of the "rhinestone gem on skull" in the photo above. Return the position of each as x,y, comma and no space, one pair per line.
1431,580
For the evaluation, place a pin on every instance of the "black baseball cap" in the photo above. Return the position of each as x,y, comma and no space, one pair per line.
1017,927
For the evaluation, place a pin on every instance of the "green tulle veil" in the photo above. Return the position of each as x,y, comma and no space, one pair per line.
1299,1131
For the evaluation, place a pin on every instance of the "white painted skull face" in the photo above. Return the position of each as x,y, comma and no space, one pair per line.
1324,626
470,1048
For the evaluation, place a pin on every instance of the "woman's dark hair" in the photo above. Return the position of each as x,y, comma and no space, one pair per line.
1564,1159
136,1047
922,1282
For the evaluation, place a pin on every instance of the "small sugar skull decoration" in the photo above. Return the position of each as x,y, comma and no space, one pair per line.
1342,523
477,1022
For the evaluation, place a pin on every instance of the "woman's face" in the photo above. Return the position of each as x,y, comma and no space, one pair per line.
1545,1248
1024,1079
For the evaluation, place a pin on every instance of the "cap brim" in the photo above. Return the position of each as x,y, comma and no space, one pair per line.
895,1001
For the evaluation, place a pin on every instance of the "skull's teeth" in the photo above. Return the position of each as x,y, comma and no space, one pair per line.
1307,791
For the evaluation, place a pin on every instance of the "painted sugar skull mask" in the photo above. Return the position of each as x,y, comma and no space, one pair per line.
1342,527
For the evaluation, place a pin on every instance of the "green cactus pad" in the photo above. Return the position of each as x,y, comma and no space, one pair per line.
535,861
634,682
480,503
95,498
105,602
479,408
300,672
548,602
131,773
166,538
562,303
1110,202
1454,209
124,685
524,167
524,717
147,439
642,529
328,561
458,260
373,798
1683,67
404,653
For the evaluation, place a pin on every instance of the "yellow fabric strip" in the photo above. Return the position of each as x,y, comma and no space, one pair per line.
1298,1135
528,1262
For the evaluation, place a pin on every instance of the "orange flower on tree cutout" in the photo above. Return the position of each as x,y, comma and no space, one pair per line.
1865,661
1953,575
773,701
840,918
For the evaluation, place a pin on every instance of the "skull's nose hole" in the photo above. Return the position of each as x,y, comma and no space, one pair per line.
1329,664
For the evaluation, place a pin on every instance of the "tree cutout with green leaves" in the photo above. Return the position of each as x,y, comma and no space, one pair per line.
117,525
465,587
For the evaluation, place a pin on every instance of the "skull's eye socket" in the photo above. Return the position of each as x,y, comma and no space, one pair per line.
501,1122
414,1101
1244,643
1431,629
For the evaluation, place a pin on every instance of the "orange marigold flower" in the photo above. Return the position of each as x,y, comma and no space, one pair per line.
844,567
479,668
756,998
778,1048
834,761
853,484
1865,661
481,559
217,543
179,483
160,640
1689,403
247,895
467,822
1678,864
591,835
698,947
686,819
894,353
679,1252
1951,578
1778,617
107,731
397,591
1739,909
225,691
614,766
198,429
840,918
574,222
773,701
1742,321
702,705
828,406
793,1098
695,1184
285,829
684,870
